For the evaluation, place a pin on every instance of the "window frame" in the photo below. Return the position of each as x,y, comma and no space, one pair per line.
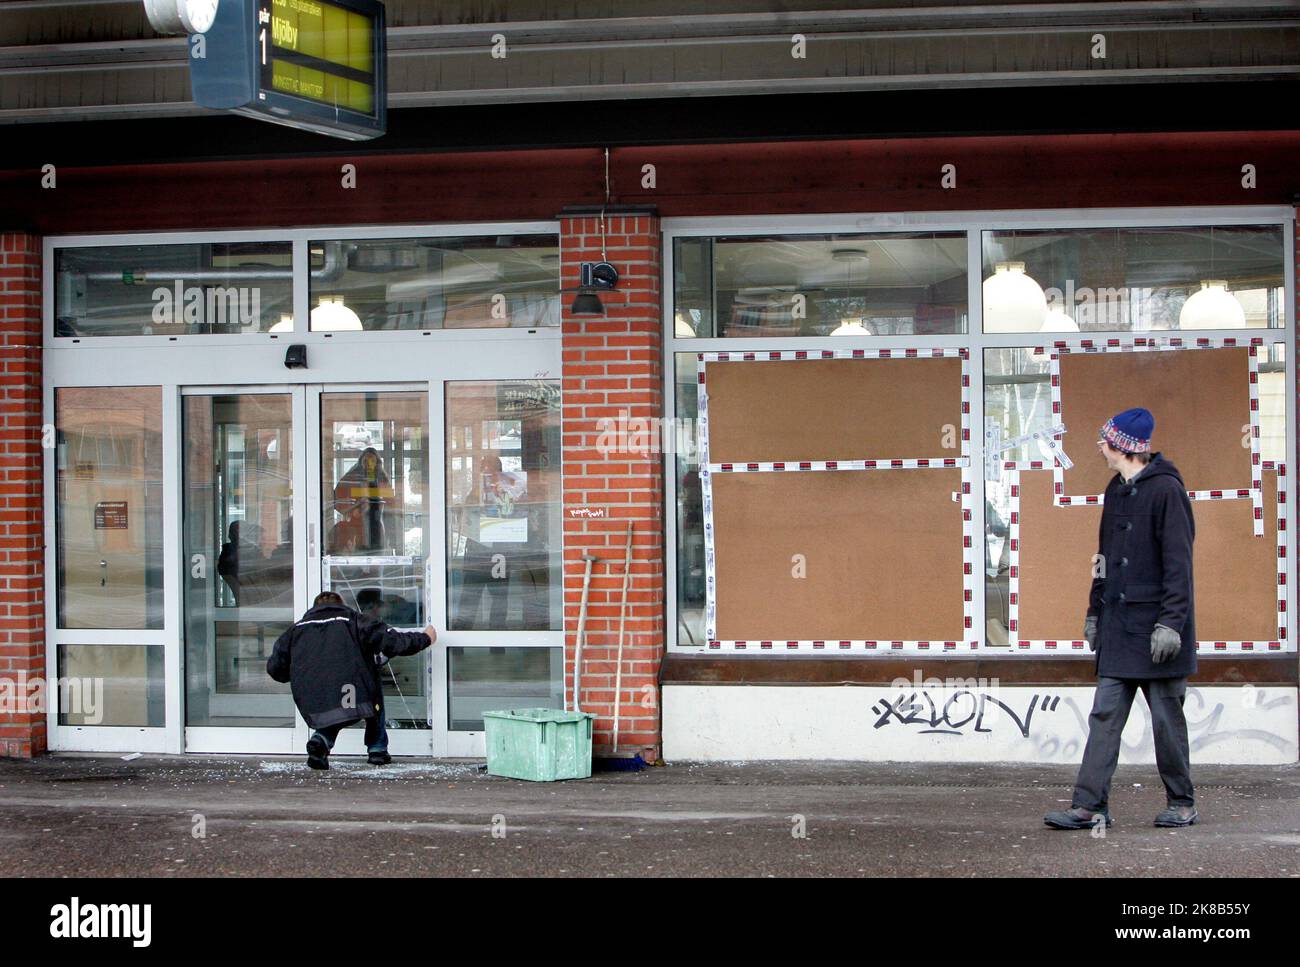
299,240
975,340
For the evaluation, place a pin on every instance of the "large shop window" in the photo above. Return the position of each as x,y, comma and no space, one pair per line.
478,282
109,480
172,290
820,285
1134,279
821,504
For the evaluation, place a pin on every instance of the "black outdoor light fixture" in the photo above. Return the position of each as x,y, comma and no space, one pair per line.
595,277
295,356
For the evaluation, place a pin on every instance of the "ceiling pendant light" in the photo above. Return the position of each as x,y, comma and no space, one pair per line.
1058,320
333,316
851,327
1013,302
1213,307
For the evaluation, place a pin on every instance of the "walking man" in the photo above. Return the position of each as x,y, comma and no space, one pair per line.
1140,622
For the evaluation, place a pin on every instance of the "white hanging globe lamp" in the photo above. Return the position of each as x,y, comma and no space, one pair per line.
1013,302
333,316
1213,307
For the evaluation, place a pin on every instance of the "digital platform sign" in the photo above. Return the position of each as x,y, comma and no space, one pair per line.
305,63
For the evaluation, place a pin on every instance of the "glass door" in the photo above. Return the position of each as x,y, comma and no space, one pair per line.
242,560
290,491
371,459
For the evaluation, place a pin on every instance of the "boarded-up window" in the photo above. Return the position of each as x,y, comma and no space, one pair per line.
834,409
881,554
1200,399
1235,572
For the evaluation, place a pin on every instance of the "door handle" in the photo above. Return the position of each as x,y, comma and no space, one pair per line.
311,538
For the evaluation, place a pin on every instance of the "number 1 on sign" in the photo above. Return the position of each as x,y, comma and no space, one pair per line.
262,39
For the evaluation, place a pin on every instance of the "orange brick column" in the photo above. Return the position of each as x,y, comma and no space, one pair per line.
613,476
22,544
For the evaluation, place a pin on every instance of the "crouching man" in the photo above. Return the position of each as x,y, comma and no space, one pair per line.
330,658
1140,622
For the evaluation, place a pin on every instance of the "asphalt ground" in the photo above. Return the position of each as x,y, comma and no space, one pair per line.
173,816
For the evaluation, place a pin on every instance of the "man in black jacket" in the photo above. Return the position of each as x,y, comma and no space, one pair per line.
1140,622
330,657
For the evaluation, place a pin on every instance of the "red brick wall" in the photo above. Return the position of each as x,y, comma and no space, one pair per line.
613,372
22,598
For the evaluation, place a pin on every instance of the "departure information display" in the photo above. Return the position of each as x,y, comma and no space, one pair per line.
320,51
312,64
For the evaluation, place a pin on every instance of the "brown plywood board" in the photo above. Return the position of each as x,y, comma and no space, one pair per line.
1056,549
1235,572
883,553
834,409
1200,399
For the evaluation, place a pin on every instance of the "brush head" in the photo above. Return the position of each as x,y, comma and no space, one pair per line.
617,763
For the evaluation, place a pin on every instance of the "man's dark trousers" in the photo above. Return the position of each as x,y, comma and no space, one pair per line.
376,737
1110,711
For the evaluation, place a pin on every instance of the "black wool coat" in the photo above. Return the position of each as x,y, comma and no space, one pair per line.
329,659
1145,541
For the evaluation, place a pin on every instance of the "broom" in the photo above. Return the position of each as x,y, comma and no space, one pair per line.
614,762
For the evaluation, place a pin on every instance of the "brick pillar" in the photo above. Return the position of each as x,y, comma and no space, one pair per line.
613,402
22,541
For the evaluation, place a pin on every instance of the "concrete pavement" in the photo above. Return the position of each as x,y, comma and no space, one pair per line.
103,816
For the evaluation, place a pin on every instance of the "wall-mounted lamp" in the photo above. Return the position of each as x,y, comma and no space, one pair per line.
594,277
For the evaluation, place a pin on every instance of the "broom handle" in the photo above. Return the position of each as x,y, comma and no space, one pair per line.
582,629
622,612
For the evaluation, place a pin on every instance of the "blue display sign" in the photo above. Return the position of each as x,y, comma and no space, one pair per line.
309,64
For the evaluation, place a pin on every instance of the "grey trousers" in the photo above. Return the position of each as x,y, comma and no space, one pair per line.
1110,710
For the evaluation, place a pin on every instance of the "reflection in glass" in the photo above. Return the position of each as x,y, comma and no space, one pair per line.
1272,403
101,685
1018,400
1134,279
494,679
690,510
172,290
108,479
504,529
375,504
238,526
478,282
820,285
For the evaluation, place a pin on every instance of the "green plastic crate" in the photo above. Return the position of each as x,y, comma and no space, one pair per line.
541,744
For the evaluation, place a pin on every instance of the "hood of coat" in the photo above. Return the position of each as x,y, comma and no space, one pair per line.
1158,467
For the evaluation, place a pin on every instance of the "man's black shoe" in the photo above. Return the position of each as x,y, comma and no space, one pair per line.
318,752
1178,816
1076,817
379,758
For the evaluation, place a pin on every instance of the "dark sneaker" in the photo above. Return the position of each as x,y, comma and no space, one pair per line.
1178,816
318,752
1077,818
380,758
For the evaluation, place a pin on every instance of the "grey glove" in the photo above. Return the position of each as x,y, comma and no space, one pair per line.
1165,644
1090,631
